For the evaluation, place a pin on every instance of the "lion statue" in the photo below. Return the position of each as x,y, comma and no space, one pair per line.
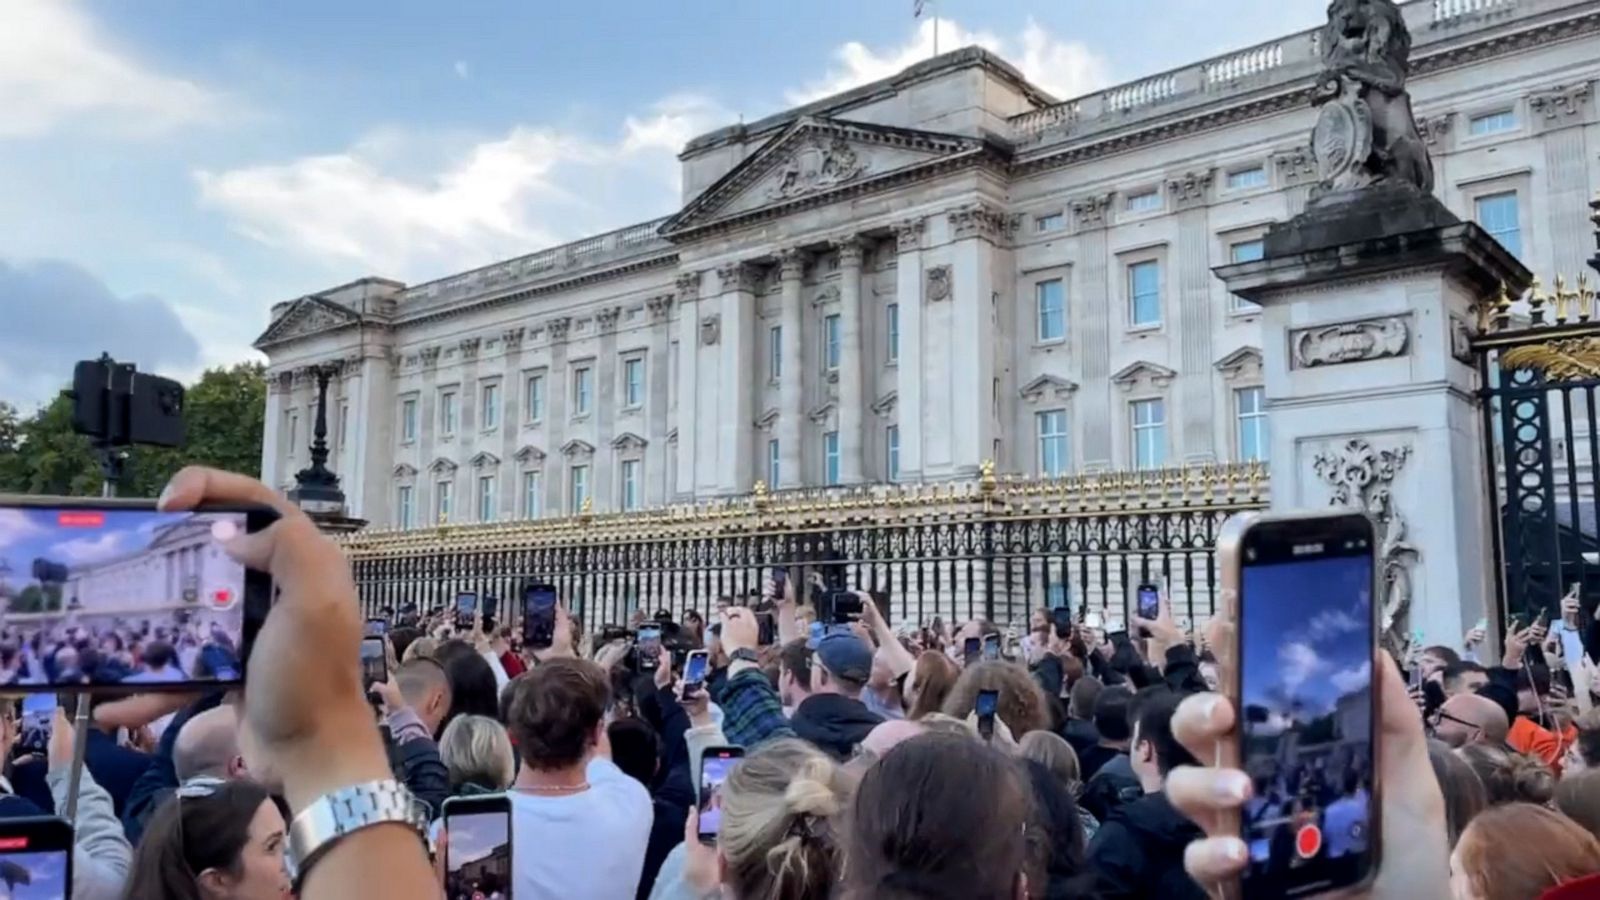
1366,50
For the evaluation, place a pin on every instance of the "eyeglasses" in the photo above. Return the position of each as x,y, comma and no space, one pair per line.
1442,716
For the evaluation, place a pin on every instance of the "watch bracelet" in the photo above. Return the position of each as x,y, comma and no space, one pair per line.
340,813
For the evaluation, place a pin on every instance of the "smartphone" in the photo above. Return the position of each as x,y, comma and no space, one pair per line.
478,858
1061,616
1149,601
988,703
649,646
1542,620
846,606
972,650
539,615
374,661
466,605
1308,709
991,646
375,627
34,725
86,570
36,857
715,764
694,670
779,579
766,629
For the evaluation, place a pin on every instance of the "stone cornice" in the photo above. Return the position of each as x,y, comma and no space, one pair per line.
668,260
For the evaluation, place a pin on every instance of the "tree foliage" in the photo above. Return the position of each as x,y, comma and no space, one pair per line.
224,412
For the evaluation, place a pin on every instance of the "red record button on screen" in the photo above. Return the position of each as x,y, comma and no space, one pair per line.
81,519
1308,841
14,843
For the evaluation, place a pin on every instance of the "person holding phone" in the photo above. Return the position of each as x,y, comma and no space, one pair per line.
833,717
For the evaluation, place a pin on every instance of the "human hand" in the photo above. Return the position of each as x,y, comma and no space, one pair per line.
663,673
1571,606
612,654
871,615
1474,637
562,642
700,860
389,695
697,703
62,739
1517,642
1413,805
1163,631
303,701
143,739
740,630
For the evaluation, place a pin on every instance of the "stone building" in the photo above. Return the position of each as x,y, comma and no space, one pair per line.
902,281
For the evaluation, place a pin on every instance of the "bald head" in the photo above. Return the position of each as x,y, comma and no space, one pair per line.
1471,719
426,690
208,744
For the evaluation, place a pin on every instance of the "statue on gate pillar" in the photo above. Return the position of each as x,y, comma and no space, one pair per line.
1366,132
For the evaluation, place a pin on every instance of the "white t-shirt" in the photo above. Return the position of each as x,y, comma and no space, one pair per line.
587,846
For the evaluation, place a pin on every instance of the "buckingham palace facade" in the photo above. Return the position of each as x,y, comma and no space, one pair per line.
905,280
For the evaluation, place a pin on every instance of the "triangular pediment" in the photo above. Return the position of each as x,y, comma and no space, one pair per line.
629,441
821,413
1048,387
885,405
816,158
307,316
442,466
485,460
577,447
1245,361
405,470
529,454
1146,374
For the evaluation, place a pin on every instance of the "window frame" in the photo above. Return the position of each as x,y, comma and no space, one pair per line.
449,403
444,496
1261,178
631,362
1064,435
1504,192
1238,305
576,493
485,501
627,485
1039,337
1130,267
535,397
582,391
409,411
830,459
891,336
891,454
1507,116
1135,427
774,353
1058,217
405,506
489,414
832,342
1134,201
774,463
1258,421
532,493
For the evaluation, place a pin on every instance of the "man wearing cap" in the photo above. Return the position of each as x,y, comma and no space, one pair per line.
833,717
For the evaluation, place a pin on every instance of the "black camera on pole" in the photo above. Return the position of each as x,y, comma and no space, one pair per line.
115,405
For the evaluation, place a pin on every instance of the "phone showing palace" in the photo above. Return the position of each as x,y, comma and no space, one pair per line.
117,593
1308,711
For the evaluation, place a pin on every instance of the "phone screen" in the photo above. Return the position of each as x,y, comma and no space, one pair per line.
376,628
649,645
991,646
987,704
1149,601
1062,617
971,649
374,661
846,607
38,714
478,859
539,615
1308,715
715,764
694,670
36,858
466,604
119,594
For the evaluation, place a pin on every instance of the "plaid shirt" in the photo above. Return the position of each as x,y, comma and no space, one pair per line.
751,710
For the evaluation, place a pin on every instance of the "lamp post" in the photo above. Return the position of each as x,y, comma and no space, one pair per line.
316,487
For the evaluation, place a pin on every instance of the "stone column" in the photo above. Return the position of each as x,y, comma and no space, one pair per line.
1367,310
1094,315
971,360
852,399
736,407
688,380
369,477
555,417
271,434
908,374
791,390
427,419
656,478
603,475
1560,115
512,384
1189,194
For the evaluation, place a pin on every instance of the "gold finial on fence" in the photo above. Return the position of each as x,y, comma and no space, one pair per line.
758,495
1502,309
986,480
1585,297
1536,301
1562,297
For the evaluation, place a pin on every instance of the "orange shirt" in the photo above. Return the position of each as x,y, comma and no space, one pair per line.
1527,737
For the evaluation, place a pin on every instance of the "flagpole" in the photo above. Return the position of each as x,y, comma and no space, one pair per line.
935,5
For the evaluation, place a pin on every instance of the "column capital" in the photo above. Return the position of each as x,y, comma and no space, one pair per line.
908,234
689,285
736,276
851,248
792,263
607,319
512,337
977,220
558,328
660,307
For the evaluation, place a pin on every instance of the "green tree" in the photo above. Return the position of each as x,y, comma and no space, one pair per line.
224,416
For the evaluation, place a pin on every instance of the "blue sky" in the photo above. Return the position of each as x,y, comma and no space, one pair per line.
27,534
168,170
1307,633
47,875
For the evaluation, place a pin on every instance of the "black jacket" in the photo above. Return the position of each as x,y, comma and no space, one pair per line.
1082,735
1091,758
834,723
417,763
114,767
1138,853
1111,788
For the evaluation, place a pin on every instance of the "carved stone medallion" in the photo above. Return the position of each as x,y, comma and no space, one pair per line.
710,329
938,287
816,165
1342,142
1348,342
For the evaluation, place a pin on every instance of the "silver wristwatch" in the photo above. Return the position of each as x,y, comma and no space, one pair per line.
338,813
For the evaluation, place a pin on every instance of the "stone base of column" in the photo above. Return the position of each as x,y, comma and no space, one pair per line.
1371,391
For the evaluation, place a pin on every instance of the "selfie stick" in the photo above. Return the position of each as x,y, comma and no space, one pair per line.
111,471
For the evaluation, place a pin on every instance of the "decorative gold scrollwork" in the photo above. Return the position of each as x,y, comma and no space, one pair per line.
1564,359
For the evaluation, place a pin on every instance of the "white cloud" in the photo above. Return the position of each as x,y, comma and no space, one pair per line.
462,70
1353,679
493,199
14,527
1298,662
1331,623
57,68
1064,68
85,550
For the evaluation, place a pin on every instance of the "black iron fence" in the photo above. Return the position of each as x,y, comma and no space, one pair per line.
996,548
1540,366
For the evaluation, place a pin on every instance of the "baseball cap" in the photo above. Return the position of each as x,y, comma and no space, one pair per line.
846,656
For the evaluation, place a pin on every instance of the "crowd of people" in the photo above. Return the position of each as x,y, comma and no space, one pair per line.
173,647
867,766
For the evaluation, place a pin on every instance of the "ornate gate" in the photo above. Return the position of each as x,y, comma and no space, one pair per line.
1540,365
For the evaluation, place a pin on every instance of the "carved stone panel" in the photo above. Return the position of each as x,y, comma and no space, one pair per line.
1362,476
1295,167
1568,104
938,286
710,329
1090,212
817,164
1349,342
1191,189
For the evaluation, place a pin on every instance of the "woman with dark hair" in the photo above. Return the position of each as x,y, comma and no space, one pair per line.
930,683
474,691
214,840
1023,705
1464,794
927,812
